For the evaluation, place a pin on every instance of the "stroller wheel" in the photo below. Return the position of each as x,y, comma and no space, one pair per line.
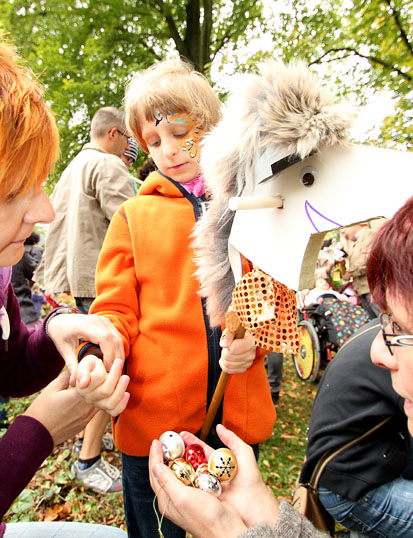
307,360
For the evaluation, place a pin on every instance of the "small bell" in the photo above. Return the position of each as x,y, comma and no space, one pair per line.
172,444
183,471
195,455
223,463
208,482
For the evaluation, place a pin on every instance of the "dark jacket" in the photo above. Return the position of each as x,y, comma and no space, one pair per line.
30,363
22,273
353,396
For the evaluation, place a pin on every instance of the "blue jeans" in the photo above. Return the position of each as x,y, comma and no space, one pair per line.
138,497
383,512
62,529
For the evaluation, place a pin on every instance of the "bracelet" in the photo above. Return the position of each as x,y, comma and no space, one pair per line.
61,310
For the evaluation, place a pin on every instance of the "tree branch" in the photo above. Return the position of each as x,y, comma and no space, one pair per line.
403,34
371,59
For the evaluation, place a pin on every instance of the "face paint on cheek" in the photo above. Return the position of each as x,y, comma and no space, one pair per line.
189,144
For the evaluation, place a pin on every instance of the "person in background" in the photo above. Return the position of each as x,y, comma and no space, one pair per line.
129,157
274,366
38,298
90,190
31,359
361,237
131,153
21,279
147,167
322,288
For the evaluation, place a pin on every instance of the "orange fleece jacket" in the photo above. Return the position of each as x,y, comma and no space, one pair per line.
146,286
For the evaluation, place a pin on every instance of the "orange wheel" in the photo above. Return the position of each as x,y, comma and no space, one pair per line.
307,360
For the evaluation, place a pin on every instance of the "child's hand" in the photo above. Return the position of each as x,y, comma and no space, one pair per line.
237,354
105,390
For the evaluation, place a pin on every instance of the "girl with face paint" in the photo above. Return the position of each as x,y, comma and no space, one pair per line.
147,288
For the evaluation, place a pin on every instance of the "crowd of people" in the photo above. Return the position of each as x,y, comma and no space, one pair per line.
127,261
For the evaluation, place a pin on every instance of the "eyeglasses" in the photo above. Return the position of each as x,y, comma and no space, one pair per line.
397,338
123,133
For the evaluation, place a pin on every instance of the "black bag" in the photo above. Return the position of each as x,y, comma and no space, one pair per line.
305,496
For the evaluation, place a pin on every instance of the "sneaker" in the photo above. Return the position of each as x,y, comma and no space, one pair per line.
107,444
101,477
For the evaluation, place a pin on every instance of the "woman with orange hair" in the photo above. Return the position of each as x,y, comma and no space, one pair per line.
30,359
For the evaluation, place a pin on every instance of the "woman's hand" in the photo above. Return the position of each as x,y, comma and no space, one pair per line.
245,498
199,513
68,330
104,389
247,492
61,410
237,354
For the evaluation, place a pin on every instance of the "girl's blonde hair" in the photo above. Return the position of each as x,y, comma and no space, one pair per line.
169,87
29,138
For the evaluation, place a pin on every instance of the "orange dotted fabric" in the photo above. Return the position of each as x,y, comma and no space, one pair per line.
267,309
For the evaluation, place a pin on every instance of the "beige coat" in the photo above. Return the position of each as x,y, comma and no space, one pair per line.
91,189
357,259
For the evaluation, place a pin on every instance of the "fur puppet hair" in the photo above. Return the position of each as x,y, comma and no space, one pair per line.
283,107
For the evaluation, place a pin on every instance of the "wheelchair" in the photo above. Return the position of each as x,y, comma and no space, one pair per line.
322,330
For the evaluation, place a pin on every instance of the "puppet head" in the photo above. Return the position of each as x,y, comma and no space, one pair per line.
280,116
281,147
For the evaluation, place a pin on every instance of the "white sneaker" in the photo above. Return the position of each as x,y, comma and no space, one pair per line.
101,476
106,444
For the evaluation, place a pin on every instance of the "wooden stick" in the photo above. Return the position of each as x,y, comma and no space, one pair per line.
218,395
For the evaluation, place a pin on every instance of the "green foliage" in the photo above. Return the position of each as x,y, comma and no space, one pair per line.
85,51
364,47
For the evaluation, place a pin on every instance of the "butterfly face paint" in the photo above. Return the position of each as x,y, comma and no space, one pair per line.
190,141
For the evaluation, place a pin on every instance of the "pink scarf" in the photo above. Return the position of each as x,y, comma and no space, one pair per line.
196,186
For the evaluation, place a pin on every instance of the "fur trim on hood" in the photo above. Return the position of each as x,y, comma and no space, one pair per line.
283,107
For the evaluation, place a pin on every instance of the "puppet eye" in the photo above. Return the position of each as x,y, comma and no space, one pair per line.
308,176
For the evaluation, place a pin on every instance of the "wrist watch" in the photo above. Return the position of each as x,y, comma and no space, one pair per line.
60,310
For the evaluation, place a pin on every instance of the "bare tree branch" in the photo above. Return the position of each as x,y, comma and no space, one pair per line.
403,34
371,59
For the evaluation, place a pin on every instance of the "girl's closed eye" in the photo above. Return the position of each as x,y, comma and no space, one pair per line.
182,135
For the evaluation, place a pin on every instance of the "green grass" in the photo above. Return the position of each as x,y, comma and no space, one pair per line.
53,494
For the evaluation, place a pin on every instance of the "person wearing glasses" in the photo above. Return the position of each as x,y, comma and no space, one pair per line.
89,192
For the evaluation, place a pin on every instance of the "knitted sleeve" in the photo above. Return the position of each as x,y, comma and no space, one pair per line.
290,524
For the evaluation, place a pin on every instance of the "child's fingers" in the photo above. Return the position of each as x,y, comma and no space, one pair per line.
84,371
116,402
113,377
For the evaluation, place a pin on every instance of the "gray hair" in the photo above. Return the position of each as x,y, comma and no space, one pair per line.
106,118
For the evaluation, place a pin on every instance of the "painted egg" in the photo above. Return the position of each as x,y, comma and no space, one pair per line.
208,482
173,445
195,455
223,463
183,471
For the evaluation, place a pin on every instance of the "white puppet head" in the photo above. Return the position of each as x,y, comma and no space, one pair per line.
281,147
281,112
